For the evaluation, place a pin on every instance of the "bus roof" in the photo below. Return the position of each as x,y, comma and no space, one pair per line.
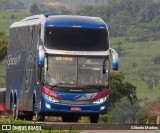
50,20
75,21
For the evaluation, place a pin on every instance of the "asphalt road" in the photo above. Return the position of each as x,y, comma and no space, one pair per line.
118,131
100,128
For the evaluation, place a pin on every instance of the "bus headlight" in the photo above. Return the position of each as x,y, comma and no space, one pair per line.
101,100
50,98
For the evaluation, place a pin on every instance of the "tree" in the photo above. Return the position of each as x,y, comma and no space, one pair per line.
152,81
12,17
134,65
126,113
56,10
136,18
3,45
34,9
4,4
156,59
120,89
119,48
150,76
86,11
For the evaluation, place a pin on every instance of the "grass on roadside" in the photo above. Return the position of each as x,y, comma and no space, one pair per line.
23,123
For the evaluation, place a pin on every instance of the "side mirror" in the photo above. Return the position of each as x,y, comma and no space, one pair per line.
115,59
41,57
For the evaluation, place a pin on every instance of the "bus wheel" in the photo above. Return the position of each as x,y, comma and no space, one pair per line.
70,119
39,117
29,116
94,118
15,113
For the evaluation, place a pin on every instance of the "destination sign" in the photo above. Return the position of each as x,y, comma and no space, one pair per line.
68,59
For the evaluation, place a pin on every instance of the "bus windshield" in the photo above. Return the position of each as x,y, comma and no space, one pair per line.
76,39
75,71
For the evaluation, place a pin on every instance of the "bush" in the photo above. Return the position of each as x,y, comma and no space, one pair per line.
105,119
21,122
142,120
84,119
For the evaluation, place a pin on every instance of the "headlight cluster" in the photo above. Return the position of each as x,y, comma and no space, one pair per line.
101,100
50,98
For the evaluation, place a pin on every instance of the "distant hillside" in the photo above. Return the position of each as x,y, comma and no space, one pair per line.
69,4
18,5
74,3
25,5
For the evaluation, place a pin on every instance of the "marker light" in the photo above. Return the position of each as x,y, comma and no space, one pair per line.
102,107
48,105
41,56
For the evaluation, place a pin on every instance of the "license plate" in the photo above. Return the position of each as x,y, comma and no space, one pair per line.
76,108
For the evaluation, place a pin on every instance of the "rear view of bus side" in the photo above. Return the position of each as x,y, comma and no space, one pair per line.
58,65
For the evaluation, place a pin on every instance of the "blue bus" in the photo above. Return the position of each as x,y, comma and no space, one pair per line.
58,65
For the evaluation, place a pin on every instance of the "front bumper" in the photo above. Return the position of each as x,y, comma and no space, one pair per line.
49,107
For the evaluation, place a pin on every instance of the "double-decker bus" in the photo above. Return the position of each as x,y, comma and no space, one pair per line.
58,65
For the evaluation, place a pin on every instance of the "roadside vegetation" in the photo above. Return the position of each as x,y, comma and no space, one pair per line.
27,123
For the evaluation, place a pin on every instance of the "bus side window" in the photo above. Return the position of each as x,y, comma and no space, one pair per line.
39,40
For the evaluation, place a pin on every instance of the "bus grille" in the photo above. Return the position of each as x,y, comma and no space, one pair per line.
75,102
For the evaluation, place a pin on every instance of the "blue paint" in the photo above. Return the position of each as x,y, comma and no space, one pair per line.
41,61
41,57
115,59
115,65
75,21
69,96
66,108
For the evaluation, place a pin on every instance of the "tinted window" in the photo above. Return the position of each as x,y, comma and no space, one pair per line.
76,39
24,38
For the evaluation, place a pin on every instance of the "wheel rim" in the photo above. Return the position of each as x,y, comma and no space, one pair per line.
14,111
34,110
36,115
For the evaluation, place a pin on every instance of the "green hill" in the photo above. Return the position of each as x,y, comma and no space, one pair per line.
7,18
136,62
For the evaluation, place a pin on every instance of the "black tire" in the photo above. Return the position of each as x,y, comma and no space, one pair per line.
39,117
16,114
29,116
70,119
94,118
21,117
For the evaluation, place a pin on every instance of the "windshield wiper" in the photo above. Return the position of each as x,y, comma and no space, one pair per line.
99,87
58,84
